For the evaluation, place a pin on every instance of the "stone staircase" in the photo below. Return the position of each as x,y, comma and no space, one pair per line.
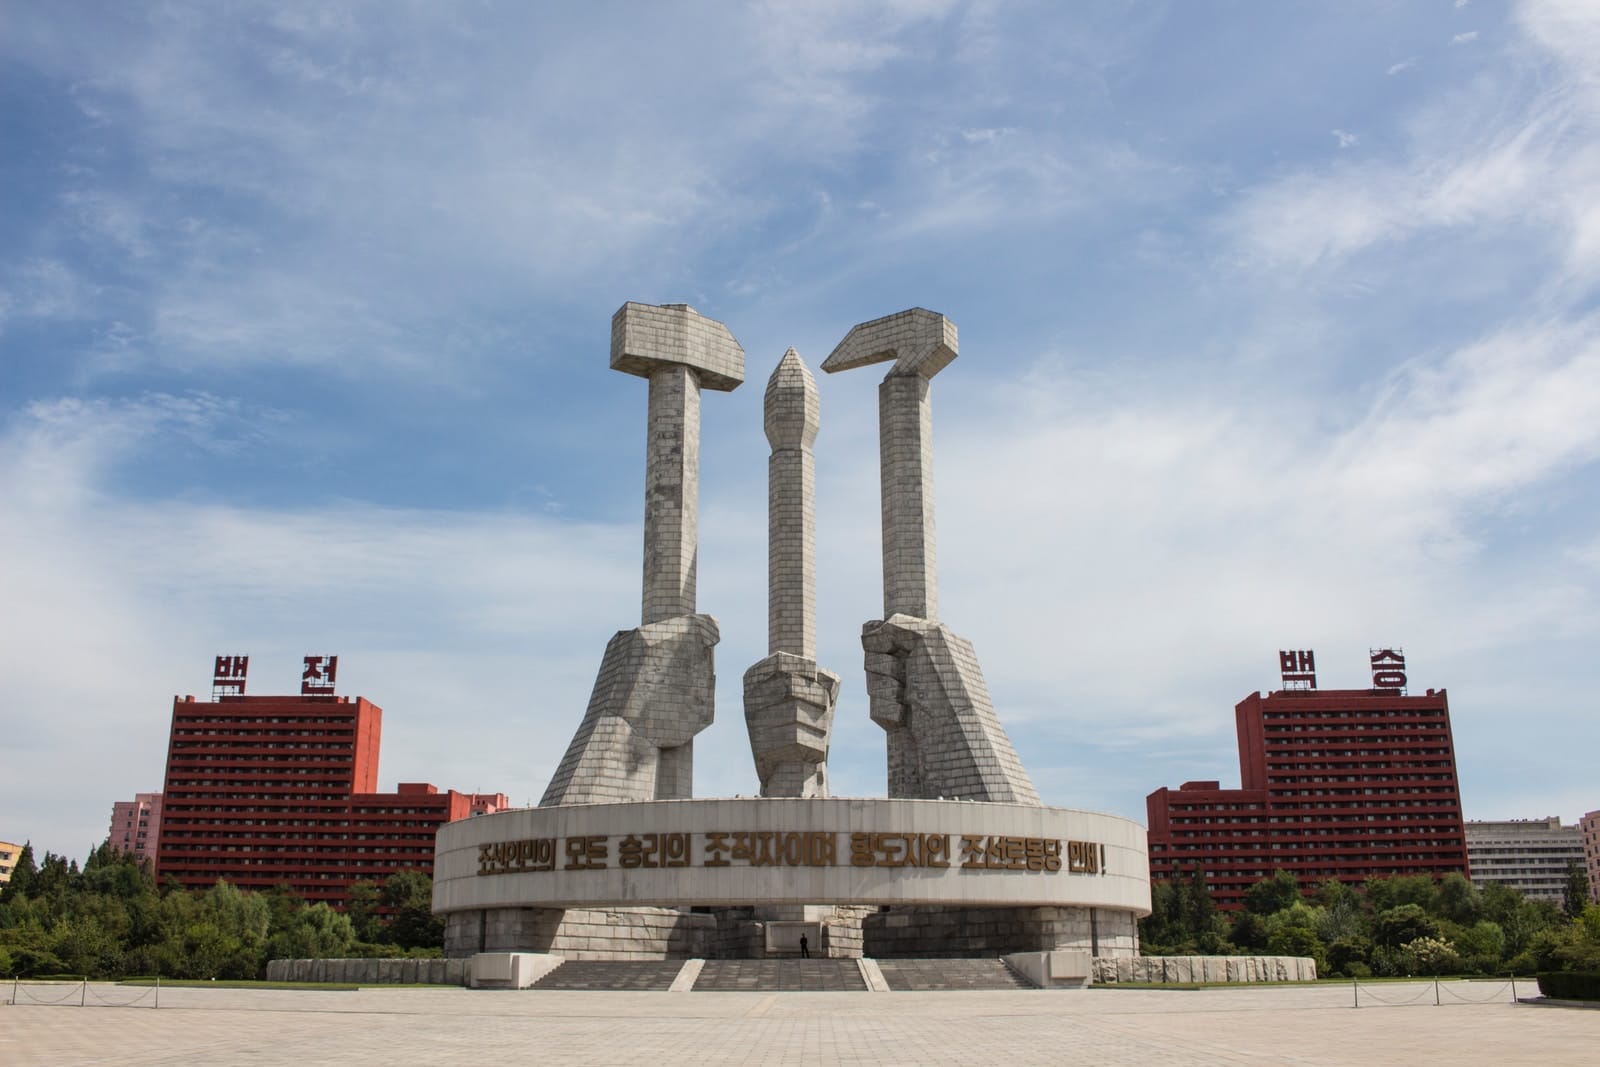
612,975
780,975
918,975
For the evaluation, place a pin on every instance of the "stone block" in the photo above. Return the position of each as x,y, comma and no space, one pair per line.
655,691
644,336
788,709
944,738
920,342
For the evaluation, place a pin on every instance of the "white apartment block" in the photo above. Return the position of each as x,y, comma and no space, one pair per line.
1527,854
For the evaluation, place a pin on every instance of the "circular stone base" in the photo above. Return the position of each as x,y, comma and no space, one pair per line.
815,850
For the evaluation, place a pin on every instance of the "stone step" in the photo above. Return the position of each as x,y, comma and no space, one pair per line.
778,975
618,975
916,975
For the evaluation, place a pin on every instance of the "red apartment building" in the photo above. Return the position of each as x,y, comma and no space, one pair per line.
1348,784
282,790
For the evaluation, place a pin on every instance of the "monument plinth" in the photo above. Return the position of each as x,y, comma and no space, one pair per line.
961,859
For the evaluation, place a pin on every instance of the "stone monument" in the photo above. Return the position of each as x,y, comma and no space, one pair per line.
619,861
657,683
923,681
788,699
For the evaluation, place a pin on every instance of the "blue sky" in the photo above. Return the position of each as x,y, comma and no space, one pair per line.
1278,329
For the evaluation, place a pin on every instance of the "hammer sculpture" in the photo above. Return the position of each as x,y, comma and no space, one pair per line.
656,685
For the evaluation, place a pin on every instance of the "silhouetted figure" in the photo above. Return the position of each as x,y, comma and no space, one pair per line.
805,948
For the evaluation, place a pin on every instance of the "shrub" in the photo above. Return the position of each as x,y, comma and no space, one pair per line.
1429,955
1350,952
1570,985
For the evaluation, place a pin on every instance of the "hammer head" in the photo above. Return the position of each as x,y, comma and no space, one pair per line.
647,336
919,341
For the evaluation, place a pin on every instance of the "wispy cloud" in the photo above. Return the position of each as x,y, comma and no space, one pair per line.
1514,167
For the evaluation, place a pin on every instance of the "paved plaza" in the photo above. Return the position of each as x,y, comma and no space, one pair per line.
1293,1025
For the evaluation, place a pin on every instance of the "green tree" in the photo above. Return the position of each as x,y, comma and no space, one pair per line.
1482,946
86,947
408,895
314,932
1299,941
1350,956
1161,932
1386,893
24,875
1403,924
1456,899
1249,932
362,908
1575,894
1271,895
1498,902
1342,917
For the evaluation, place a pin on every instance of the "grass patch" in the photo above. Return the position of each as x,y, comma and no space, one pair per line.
1197,985
1318,982
1218,985
230,983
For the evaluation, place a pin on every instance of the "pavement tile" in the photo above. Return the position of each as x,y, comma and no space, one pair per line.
1295,1026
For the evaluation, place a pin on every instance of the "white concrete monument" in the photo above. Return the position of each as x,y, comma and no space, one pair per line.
619,862
788,698
923,681
656,685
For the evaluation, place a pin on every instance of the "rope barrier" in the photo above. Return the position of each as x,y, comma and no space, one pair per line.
1459,991
1497,994
122,1003
24,991
33,993
1424,991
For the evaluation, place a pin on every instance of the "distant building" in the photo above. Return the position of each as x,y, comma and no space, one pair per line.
136,825
282,790
1531,855
8,860
1589,830
1345,785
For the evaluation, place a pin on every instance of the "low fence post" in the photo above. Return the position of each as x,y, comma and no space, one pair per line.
1513,987
83,994
1436,991
1355,991
157,1004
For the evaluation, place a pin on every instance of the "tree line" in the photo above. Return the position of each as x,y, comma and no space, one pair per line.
1404,925
110,920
